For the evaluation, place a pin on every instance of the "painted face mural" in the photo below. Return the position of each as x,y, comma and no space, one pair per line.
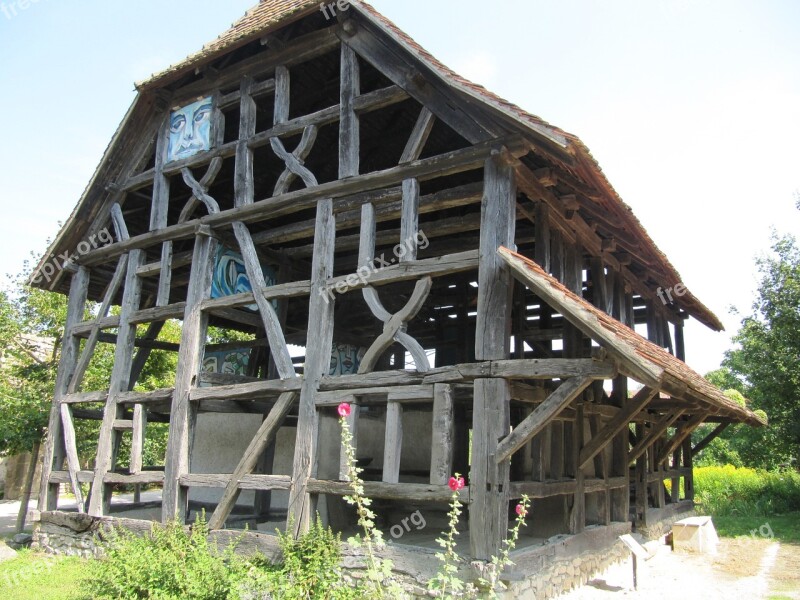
345,359
230,276
190,130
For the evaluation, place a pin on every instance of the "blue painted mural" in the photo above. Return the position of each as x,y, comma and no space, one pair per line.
230,275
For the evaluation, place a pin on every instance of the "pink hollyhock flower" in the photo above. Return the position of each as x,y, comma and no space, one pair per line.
344,409
521,510
456,484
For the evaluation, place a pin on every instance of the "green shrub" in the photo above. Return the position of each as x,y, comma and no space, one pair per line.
311,568
167,564
736,491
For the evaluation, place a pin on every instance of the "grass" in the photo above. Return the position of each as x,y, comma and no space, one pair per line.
783,528
743,492
34,576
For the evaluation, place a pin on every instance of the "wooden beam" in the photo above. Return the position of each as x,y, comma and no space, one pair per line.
182,413
393,442
492,397
264,437
450,163
656,431
54,448
320,339
619,422
442,434
544,414
108,441
349,124
703,444
586,321
683,432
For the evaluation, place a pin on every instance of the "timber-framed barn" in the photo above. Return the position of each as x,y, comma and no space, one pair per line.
379,231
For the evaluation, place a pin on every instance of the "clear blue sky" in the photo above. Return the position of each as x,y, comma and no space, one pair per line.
691,108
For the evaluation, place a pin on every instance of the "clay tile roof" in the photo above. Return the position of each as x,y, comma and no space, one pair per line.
256,22
269,15
621,339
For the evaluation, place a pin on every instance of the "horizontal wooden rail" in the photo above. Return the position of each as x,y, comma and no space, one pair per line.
546,489
390,491
442,165
247,482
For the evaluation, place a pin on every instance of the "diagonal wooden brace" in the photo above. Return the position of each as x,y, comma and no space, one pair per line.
539,418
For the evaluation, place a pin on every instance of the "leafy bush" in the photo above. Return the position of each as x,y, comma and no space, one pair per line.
168,564
736,491
311,568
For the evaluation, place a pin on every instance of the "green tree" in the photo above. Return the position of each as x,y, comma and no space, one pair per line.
765,365
27,379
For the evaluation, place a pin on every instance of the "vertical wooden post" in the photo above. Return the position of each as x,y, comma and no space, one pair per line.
318,356
489,486
675,492
542,233
577,521
688,478
680,346
443,432
183,415
620,498
641,480
320,311
109,439
349,125
393,442
54,444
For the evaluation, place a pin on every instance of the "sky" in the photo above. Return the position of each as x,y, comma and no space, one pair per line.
691,108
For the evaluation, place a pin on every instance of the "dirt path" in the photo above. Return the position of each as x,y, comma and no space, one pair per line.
743,569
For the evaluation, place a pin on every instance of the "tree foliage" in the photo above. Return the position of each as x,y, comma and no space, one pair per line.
27,379
765,365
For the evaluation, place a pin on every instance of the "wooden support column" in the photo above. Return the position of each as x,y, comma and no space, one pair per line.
443,434
620,498
318,356
688,464
108,443
488,514
183,415
54,444
393,442
577,517
319,336
680,346
542,233
641,480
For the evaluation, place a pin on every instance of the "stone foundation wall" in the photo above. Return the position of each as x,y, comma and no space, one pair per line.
541,572
566,575
72,535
